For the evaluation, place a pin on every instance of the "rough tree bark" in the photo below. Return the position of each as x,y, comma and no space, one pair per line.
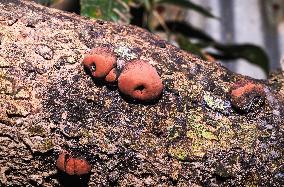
196,134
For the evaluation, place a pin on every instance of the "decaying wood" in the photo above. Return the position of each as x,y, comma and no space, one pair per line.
192,136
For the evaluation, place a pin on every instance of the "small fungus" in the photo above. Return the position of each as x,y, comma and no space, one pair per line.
139,80
112,76
247,96
100,62
71,165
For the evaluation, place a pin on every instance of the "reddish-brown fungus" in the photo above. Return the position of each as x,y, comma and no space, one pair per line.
139,80
71,165
111,76
100,62
247,95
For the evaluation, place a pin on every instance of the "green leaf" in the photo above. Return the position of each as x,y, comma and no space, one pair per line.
252,53
187,30
193,48
111,10
188,4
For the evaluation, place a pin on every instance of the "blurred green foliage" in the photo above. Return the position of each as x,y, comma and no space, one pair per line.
252,53
187,4
114,10
187,36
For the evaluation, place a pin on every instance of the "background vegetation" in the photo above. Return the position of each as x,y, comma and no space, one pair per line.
166,18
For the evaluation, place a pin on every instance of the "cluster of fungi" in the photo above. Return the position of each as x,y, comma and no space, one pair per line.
137,79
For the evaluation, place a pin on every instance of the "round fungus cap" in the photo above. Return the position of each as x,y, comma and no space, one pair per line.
111,76
100,62
140,81
72,166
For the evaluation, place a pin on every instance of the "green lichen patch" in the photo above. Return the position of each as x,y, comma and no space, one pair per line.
39,144
173,131
199,130
178,153
247,137
37,130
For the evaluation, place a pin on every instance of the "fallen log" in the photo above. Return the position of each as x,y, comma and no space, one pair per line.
59,125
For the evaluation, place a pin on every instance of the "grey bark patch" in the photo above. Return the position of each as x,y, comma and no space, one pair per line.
45,51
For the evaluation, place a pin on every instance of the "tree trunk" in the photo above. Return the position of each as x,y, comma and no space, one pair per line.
210,127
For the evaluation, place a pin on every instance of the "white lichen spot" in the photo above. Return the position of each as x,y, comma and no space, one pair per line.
216,103
125,52
120,64
272,101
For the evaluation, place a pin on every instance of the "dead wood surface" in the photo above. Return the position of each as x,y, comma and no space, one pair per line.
192,136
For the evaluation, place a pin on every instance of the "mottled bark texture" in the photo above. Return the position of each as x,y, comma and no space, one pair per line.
195,134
